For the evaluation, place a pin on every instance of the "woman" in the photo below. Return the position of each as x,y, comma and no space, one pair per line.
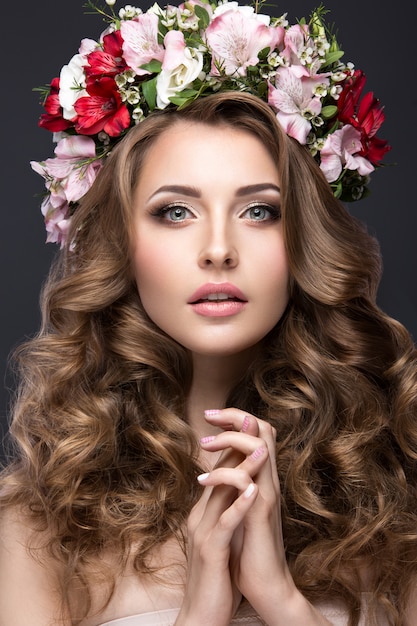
215,422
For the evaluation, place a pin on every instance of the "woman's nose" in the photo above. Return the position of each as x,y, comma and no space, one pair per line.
218,249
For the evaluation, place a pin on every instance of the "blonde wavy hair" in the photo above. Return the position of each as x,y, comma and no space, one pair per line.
103,455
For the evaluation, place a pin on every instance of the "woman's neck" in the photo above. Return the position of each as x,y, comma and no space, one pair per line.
213,380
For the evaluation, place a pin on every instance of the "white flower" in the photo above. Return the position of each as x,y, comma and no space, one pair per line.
156,9
337,77
248,11
320,90
187,20
138,114
322,45
181,66
72,79
129,12
72,84
168,16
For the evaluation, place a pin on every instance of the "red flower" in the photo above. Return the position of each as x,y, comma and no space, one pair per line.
109,61
366,116
52,120
102,109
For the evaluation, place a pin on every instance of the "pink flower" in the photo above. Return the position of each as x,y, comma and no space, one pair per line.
76,165
68,177
57,222
295,102
298,51
342,150
235,39
140,41
174,50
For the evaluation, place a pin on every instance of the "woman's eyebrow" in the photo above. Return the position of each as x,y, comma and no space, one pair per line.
186,190
193,192
248,189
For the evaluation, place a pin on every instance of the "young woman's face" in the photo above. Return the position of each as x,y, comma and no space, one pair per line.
208,250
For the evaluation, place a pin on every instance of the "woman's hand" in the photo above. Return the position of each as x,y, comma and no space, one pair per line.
211,596
258,561
258,564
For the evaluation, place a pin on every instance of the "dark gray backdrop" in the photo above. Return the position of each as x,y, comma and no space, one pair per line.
39,37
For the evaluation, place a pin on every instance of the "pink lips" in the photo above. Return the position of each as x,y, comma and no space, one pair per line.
231,300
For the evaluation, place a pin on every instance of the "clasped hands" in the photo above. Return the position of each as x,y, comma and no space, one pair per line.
235,544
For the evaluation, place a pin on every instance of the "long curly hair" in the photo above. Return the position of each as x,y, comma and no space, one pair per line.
103,455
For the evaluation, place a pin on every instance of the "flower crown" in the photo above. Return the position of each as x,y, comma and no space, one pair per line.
170,56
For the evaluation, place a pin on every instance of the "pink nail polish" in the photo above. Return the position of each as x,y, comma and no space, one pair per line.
211,412
256,454
207,439
245,424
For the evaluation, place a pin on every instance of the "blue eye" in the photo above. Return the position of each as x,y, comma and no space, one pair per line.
258,213
173,213
262,212
177,214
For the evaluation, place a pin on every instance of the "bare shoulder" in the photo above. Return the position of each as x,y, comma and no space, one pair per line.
28,580
411,612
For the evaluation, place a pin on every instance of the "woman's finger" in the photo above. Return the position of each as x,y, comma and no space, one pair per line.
237,478
241,442
233,419
221,526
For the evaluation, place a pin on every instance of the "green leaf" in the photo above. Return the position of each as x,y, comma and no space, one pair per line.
154,66
262,90
332,57
193,40
184,97
263,54
316,25
149,92
162,31
338,189
329,111
187,93
203,16
180,102
252,69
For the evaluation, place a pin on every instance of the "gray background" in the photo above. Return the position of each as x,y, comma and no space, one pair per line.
39,37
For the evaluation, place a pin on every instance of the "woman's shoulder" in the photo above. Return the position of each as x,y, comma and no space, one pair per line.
28,590
19,533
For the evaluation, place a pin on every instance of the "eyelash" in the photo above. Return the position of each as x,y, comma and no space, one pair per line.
274,211
162,211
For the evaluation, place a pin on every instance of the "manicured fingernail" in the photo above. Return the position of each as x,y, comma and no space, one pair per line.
245,424
207,439
257,453
211,412
249,491
202,477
